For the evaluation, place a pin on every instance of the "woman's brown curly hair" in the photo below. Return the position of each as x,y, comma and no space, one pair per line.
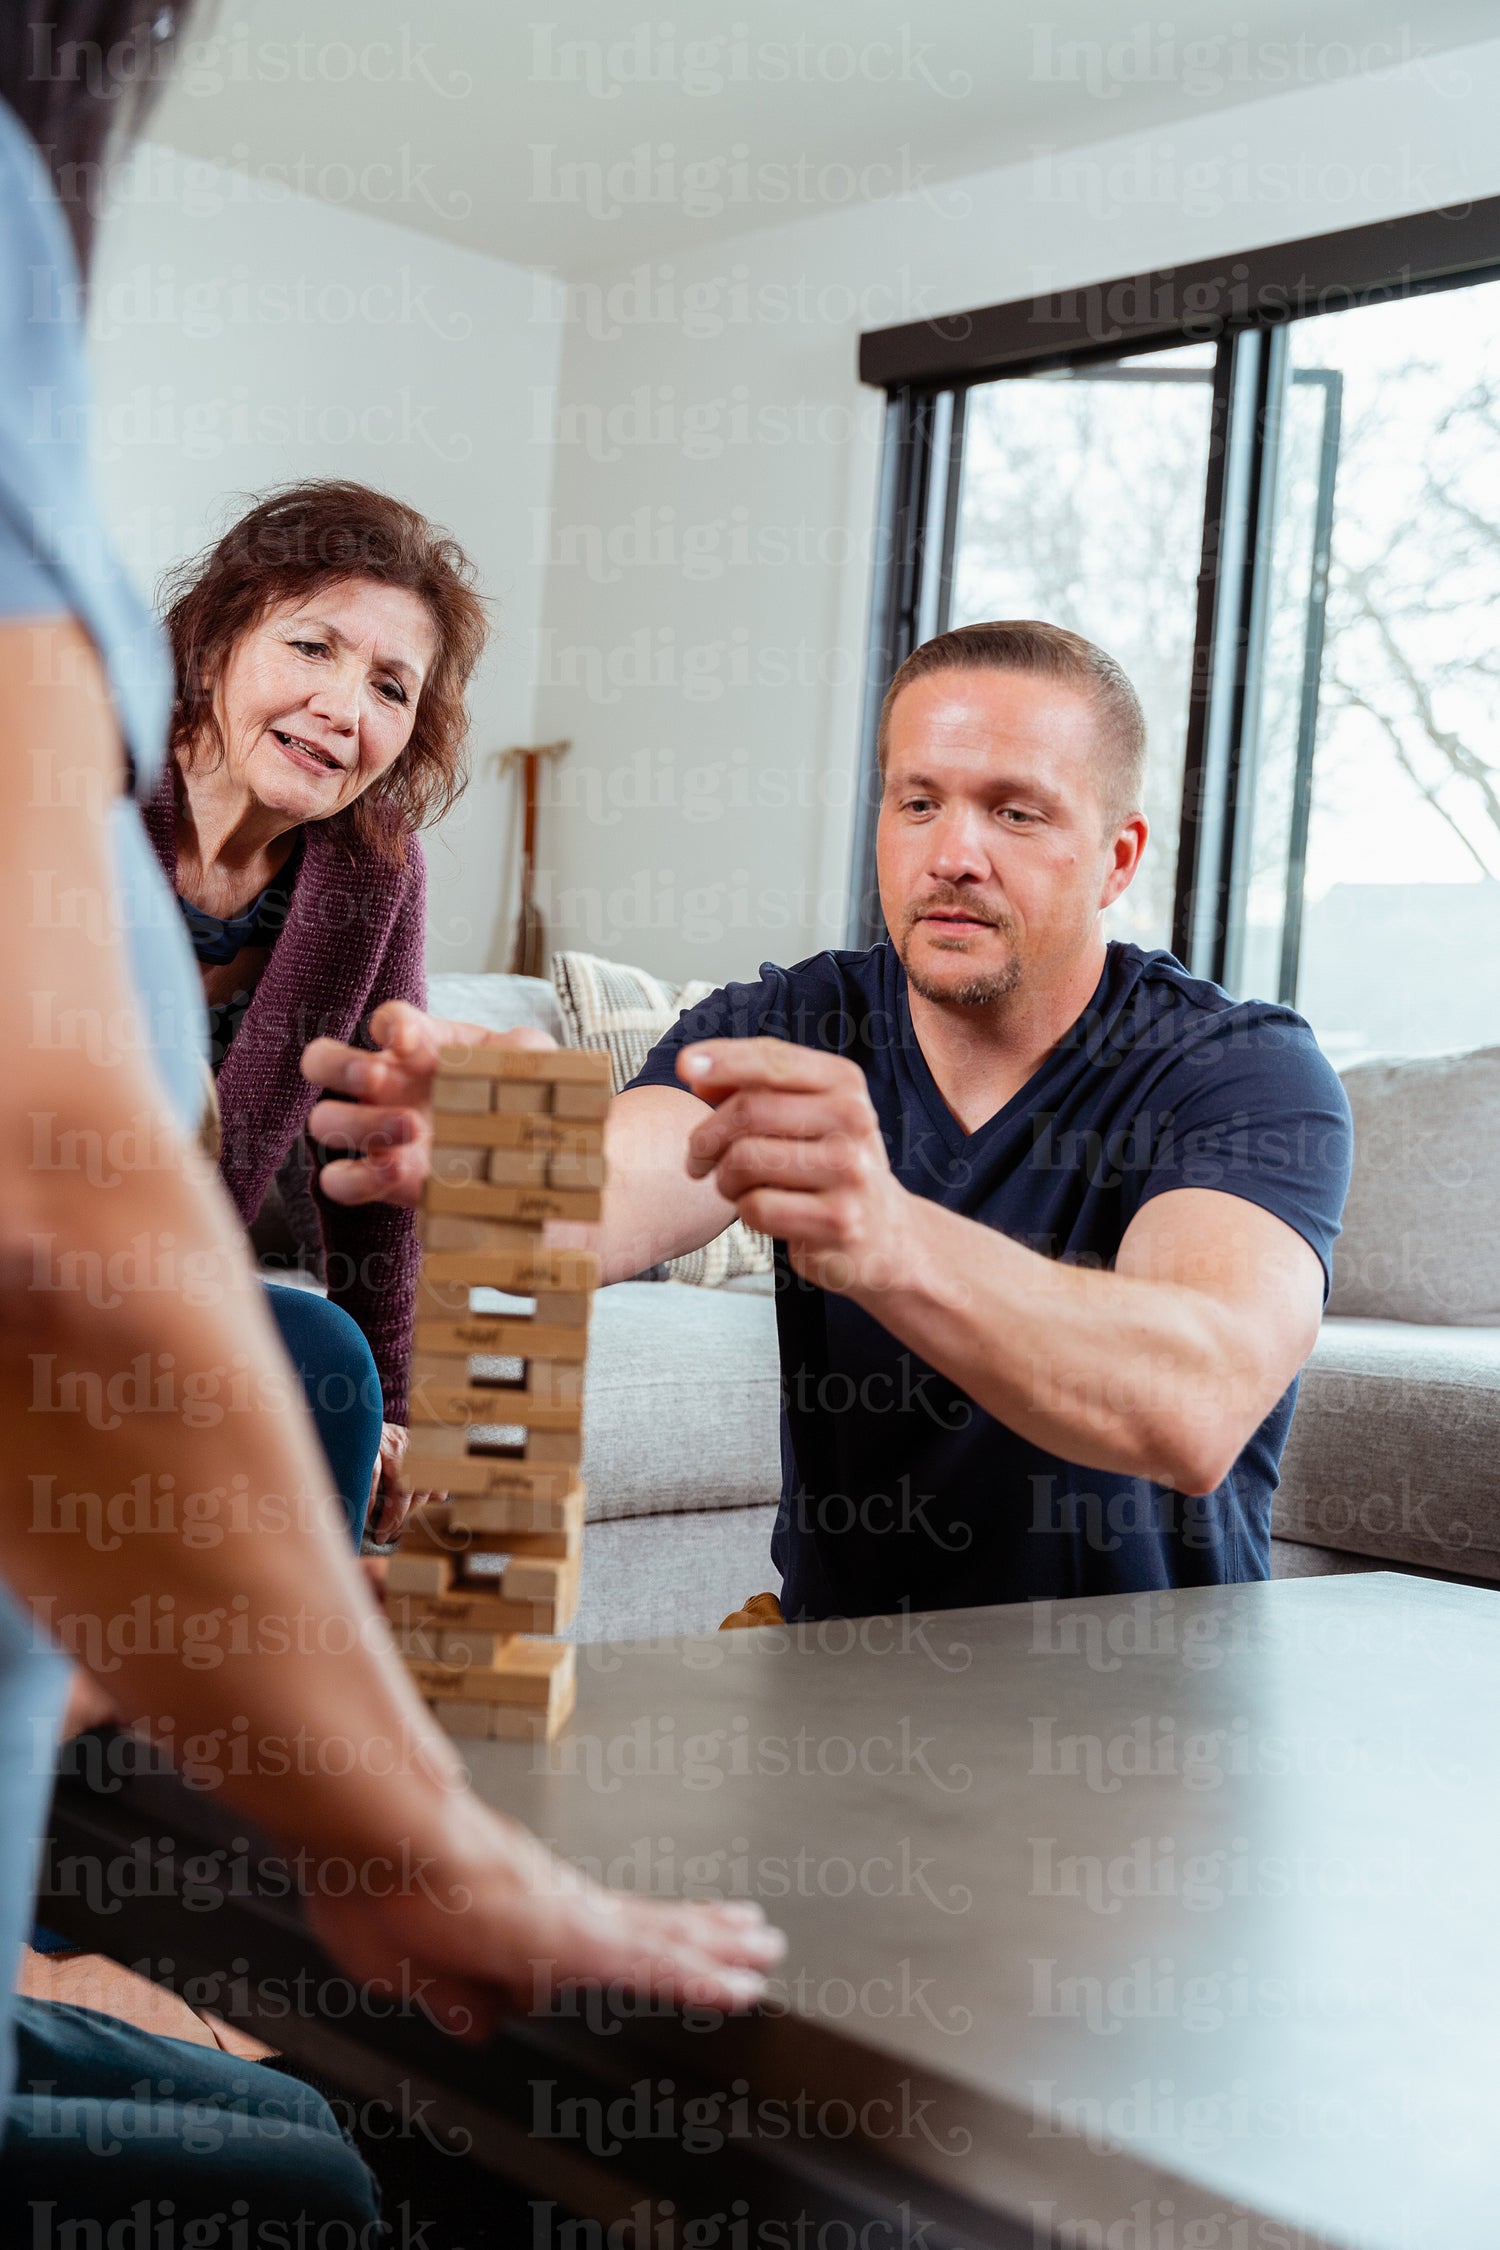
290,543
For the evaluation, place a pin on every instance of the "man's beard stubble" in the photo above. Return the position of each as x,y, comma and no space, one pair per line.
978,991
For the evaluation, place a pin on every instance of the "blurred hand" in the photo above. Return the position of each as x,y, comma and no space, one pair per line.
390,1501
493,1920
388,1117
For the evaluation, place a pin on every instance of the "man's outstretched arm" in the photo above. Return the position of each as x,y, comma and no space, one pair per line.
1161,1369
653,1207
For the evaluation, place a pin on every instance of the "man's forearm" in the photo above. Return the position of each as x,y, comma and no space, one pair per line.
652,1209
156,1431
1113,1372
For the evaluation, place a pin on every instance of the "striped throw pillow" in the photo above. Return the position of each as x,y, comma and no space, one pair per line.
612,1009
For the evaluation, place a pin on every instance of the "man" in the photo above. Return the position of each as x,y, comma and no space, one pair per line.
1054,1219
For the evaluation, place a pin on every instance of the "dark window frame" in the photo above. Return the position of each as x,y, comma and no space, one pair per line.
1242,305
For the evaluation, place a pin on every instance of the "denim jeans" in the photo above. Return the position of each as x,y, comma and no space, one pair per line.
105,2119
343,1390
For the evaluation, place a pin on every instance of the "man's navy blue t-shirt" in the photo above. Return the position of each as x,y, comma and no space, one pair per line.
897,1490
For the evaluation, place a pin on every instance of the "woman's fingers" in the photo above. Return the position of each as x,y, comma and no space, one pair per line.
397,1177
377,1131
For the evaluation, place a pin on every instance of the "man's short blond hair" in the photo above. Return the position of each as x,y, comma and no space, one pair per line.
1024,644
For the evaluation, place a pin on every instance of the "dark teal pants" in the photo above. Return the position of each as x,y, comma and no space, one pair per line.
343,1390
170,2144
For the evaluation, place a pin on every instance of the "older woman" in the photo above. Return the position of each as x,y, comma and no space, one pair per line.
322,648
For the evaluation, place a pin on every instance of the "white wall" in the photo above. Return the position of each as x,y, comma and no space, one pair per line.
244,335
714,488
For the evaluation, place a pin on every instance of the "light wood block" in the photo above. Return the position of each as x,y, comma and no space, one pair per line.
507,1514
520,1099
447,1230
551,1066
460,1166
466,1097
423,1573
510,1167
561,1308
518,1129
581,1101
480,1201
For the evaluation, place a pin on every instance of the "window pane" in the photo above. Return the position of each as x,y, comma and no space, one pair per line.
1082,503
1398,948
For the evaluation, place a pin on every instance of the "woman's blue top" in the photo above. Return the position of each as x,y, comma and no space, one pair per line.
56,561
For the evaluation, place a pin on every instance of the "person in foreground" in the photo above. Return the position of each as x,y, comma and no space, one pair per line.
1054,1218
119,1252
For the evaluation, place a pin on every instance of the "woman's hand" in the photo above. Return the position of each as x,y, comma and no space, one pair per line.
493,1920
388,1118
390,1501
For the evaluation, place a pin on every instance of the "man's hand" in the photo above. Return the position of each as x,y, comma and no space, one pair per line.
795,1145
389,1118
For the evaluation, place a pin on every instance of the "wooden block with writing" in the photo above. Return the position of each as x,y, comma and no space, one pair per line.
535,1272
478,1200
551,1066
517,1129
500,1336
446,1231
487,1476
495,1406
476,1609
434,1526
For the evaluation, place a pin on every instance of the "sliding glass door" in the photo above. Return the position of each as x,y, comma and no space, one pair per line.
1285,523
1081,502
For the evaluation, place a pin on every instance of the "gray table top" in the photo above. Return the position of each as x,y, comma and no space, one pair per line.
1202,1882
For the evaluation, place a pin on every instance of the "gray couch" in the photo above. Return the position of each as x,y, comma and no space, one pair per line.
1392,1454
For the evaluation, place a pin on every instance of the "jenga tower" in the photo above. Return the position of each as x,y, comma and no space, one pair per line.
518,1140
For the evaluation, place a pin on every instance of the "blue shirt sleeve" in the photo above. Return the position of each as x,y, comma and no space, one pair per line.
56,558
1250,1106
735,1011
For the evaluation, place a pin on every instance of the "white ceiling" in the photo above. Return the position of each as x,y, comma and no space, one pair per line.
459,118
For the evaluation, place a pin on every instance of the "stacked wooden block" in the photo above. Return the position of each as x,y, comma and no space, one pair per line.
497,1396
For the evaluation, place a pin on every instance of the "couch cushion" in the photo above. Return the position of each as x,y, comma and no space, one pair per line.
1393,1446
1421,1236
682,1405
645,1577
496,1003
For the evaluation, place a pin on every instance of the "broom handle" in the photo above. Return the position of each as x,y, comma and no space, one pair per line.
528,839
